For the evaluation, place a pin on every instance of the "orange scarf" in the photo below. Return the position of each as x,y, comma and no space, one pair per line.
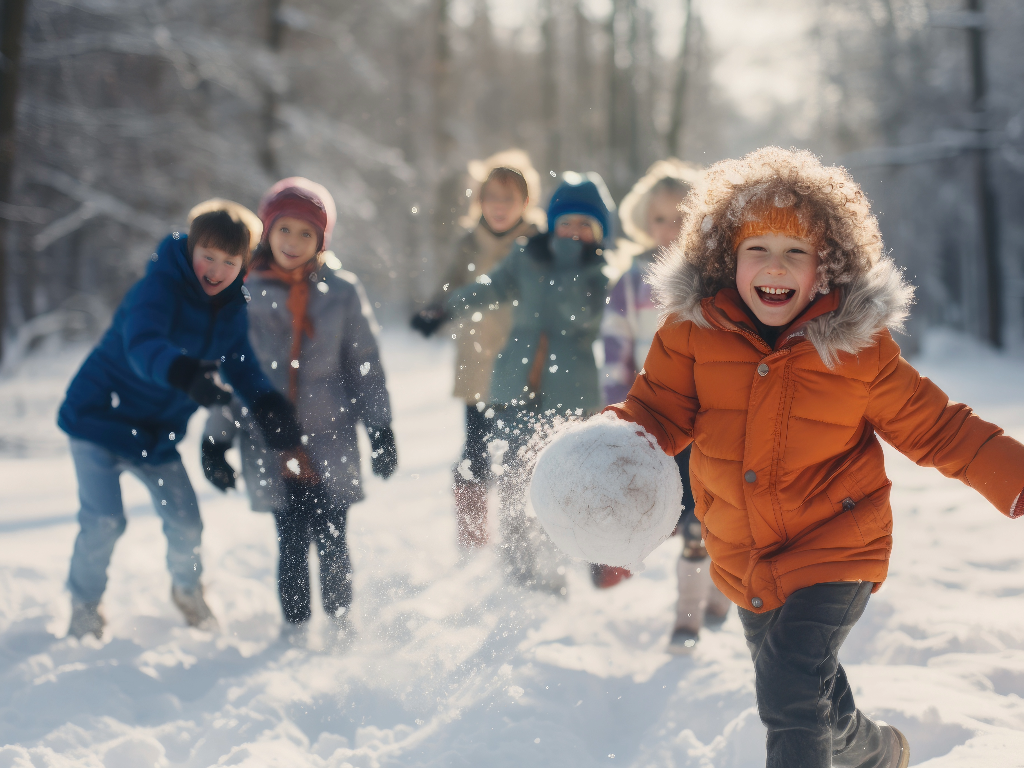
298,283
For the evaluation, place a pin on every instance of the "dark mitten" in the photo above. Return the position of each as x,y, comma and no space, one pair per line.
196,379
216,467
384,457
276,418
428,320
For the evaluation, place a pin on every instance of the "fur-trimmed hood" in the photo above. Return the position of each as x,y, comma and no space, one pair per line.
877,299
828,202
838,220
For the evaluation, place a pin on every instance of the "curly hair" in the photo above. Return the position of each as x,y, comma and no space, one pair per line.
831,205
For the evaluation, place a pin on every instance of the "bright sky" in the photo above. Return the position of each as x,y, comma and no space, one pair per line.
765,54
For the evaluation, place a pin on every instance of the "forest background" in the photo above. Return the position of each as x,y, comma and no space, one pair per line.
116,116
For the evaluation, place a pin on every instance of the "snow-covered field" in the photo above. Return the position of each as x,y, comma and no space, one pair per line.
451,668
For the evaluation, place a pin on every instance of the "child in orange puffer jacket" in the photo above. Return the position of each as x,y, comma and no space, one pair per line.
775,361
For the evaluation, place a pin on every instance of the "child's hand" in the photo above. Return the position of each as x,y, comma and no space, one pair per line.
428,320
275,416
216,467
384,458
198,379
295,465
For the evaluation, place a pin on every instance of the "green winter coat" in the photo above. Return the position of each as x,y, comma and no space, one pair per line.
556,288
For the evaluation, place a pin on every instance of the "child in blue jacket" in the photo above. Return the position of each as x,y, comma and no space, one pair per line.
128,406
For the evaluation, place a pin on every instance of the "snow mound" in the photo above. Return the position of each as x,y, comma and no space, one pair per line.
605,492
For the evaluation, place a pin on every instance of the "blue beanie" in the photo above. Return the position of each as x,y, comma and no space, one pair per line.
583,194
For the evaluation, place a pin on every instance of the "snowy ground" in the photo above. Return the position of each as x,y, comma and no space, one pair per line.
450,668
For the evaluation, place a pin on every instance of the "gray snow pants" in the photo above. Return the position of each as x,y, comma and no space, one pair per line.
803,696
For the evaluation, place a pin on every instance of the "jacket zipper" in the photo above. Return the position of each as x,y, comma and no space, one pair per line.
760,344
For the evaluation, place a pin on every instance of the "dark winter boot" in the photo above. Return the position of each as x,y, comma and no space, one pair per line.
470,512
193,607
86,619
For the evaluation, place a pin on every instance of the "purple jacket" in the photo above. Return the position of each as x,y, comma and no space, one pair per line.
627,329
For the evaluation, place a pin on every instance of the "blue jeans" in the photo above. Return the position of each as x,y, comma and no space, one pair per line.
803,696
101,517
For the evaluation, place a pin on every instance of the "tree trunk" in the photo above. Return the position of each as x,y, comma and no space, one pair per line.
275,34
549,92
674,141
988,216
11,23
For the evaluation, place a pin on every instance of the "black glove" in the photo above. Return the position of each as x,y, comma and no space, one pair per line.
428,320
384,457
195,378
275,416
216,467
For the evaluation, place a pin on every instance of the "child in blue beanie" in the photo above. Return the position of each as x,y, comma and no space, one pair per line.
177,331
556,284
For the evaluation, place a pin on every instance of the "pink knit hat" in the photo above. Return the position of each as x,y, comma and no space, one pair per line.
303,199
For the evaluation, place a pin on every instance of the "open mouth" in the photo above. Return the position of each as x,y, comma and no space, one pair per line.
774,296
214,283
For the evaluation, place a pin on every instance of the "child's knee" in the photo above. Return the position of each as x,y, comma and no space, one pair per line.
100,524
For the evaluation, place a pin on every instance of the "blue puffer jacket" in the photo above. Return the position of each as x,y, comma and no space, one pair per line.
120,398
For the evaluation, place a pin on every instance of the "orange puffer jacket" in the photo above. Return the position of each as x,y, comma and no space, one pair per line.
787,471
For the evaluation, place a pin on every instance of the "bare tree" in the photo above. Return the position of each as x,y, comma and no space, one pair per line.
11,23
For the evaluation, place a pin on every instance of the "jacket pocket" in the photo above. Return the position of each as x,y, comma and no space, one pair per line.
868,510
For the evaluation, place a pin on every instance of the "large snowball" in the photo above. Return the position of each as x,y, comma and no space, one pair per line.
605,492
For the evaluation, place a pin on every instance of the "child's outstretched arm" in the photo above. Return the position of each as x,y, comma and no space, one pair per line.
148,321
496,286
663,398
920,421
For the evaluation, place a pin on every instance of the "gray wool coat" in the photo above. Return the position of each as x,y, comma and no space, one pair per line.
341,382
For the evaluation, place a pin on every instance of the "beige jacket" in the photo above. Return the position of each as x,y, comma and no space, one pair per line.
479,342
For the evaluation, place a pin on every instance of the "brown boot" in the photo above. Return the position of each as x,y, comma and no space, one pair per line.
470,512
900,748
193,607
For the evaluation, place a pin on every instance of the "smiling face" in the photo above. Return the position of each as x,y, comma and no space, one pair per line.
215,268
576,227
502,205
293,242
664,219
775,276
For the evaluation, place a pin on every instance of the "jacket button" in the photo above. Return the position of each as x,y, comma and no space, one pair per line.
849,503
762,369
750,476
757,602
